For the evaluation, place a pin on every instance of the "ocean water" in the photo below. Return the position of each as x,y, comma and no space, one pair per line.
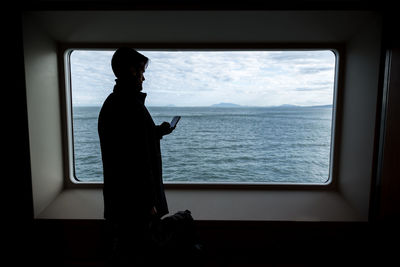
214,144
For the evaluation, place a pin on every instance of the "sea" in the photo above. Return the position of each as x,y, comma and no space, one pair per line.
285,144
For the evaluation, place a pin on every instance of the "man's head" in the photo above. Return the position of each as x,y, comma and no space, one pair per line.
127,63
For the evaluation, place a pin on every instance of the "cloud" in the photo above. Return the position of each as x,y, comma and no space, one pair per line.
314,70
312,89
188,78
91,76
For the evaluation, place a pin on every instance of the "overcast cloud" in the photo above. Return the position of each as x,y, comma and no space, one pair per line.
249,78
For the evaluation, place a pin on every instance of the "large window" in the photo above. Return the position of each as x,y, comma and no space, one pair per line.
247,116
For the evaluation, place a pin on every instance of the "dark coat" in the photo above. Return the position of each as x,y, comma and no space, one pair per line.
130,146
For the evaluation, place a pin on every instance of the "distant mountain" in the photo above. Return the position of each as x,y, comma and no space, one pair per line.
225,105
288,106
295,106
322,106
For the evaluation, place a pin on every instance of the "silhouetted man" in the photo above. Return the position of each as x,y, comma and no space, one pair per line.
130,145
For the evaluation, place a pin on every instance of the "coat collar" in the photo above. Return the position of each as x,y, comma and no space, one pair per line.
128,88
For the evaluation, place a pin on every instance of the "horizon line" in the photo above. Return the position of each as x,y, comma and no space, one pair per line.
220,106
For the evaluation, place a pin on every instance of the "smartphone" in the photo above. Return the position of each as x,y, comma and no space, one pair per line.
175,121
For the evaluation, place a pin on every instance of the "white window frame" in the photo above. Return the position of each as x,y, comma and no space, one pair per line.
71,181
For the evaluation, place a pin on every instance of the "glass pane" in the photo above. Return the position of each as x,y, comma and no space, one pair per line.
247,116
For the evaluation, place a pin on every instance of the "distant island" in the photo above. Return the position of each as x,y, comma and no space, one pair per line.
322,106
225,105
296,106
288,106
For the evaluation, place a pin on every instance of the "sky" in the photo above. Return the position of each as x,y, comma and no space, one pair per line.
204,78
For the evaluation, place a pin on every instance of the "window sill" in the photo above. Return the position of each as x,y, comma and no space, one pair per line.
243,205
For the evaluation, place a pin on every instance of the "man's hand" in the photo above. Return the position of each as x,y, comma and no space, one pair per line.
166,128
153,211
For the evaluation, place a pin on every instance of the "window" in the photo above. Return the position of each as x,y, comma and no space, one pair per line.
248,116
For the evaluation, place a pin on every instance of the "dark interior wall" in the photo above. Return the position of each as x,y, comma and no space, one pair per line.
389,156
16,193
227,243
389,208
52,241
20,139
